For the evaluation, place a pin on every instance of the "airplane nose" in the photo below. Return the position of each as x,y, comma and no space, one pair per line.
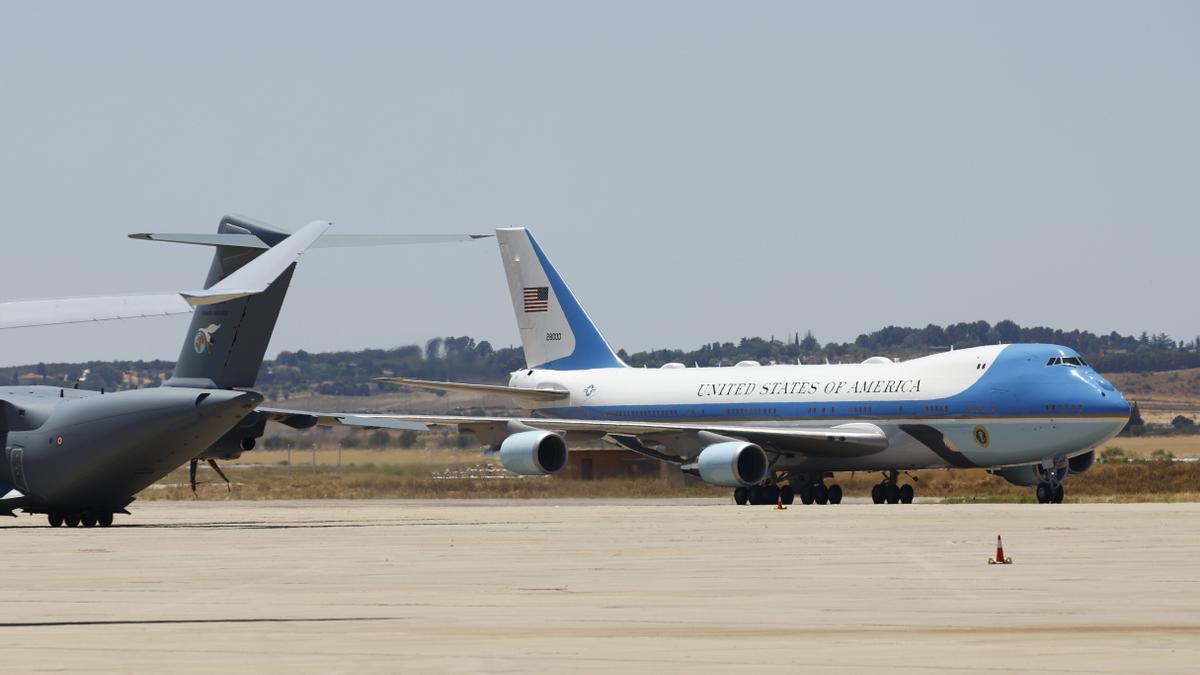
1114,402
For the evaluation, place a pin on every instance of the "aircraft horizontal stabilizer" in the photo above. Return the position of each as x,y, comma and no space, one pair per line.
521,394
326,241
253,278
25,313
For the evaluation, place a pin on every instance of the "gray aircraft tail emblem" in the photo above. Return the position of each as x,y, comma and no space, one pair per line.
203,338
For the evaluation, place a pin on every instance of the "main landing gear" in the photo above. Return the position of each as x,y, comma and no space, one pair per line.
86,518
810,488
889,491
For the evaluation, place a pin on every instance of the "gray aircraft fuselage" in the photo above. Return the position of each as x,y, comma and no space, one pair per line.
71,450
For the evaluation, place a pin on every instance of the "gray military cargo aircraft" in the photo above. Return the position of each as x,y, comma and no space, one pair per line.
81,456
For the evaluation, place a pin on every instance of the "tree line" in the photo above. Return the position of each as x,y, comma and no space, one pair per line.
465,359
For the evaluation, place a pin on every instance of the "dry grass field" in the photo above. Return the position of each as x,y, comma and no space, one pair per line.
458,474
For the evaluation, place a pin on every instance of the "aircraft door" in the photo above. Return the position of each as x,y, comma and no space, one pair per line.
16,463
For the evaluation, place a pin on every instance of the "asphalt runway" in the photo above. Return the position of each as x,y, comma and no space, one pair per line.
695,585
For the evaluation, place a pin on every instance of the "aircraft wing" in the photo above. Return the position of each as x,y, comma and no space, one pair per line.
252,278
521,394
848,440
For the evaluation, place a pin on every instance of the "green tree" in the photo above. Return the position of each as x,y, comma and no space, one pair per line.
1184,424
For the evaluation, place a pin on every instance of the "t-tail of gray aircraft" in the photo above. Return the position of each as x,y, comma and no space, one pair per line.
226,343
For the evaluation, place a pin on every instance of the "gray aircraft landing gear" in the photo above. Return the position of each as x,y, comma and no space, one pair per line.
102,518
889,490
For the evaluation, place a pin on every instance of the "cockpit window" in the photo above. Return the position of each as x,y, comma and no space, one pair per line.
1072,361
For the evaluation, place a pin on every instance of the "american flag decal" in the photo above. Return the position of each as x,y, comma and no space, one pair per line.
537,299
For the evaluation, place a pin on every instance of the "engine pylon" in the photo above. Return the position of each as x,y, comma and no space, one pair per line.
999,559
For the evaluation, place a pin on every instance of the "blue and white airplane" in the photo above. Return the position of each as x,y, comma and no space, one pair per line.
1031,413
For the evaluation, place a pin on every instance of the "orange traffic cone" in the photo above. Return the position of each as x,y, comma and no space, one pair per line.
779,505
999,559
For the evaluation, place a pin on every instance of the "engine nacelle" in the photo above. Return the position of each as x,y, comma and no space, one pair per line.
1025,476
1030,475
240,439
733,464
1081,463
534,453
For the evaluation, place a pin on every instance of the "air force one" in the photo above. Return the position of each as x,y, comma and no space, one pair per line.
1030,413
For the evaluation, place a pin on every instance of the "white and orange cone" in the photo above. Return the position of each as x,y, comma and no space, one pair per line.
999,559
779,505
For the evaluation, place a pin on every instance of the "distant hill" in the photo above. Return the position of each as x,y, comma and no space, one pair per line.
465,359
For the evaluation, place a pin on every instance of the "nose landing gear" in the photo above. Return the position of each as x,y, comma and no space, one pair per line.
1050,485
1050,494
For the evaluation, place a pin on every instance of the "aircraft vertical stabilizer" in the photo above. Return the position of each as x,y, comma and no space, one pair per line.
227,341
555,330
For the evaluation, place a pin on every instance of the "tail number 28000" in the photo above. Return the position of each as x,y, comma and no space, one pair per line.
553,337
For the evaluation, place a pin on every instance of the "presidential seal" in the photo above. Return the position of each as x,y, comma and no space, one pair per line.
981,436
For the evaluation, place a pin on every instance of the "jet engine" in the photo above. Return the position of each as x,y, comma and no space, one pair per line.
534,453
733,464
1030,475
241,438
1081,463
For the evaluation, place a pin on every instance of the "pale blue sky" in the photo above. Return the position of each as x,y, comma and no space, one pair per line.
698,171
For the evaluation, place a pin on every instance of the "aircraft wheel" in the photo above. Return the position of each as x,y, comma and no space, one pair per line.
806,494
787,495
56,519
71,519
772,495
835,494
878,494
741,496
893,493
820,493
88,519
1056,496
758,494
1043,493
906,494
104,519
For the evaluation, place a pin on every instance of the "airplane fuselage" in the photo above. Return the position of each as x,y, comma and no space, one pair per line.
990,406
70,450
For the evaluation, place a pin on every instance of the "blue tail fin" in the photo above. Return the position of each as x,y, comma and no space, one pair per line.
555,330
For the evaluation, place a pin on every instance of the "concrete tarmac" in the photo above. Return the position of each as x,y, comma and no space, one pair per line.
678,585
